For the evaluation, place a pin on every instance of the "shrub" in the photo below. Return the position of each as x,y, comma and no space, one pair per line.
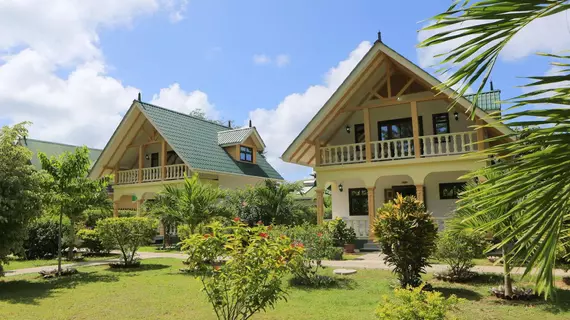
126,234
241,267
41,242
458,249
90,240
92,216
341,233
318,244
406,234
416,303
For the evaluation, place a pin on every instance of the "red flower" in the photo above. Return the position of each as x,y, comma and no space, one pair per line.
236,219
319,234
263,235
259,223
207,235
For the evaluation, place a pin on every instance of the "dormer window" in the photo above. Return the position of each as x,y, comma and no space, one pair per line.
246,154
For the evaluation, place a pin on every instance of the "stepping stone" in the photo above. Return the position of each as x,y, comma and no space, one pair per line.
344,272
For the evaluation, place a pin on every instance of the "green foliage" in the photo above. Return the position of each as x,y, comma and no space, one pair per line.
126,234
318,244
41,241
193,204
534,173
241,267
270,202
91,217
406,234
20,190
416,304
341,233
458,249
90,240
161,208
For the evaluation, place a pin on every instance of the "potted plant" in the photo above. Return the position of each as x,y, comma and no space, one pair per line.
349,240
343,235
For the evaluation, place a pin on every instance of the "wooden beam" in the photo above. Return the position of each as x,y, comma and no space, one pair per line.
317,154
311,160
415,129
389,85
371,211
367,137
144,144
406,86
320,205
395,101
377,95
163,160
141,157
123,139
303,153
480,134
336,130
144,129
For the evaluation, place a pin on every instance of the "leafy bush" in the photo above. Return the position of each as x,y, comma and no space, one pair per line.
341,233
126,234
318,244
458,249
92,216
90,240
416,303
241,267
42,238
406,234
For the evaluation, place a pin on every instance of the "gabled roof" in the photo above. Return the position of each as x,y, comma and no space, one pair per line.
239,136
194,140
339,97
54,149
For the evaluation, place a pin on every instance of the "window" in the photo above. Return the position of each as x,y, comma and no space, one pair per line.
398,128
246,154
154,159
440,123
359,136
451,190
358,202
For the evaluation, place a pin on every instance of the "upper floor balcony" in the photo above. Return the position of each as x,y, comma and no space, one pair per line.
152,174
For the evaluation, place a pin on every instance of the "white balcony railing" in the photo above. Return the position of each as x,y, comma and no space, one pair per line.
360,226
430,146
173,172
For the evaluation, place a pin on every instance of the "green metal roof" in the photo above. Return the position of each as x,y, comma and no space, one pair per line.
233,136
196,142
53,149
487,101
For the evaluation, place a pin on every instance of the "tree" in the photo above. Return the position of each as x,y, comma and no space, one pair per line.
537,168
70,192
20,189
200,114
406,234
196,202
163,207
126,234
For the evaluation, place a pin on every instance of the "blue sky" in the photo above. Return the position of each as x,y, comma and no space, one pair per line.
209,48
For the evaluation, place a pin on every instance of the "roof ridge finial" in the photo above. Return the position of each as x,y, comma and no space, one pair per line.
140,97
250,123
379,36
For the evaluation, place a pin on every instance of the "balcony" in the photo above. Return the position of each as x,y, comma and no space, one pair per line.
395,149
153,174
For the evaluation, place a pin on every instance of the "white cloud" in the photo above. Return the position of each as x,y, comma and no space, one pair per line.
177,9
282,60
279,126
261,59
177,99
85,106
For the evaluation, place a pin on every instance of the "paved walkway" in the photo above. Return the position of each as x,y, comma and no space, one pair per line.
366,261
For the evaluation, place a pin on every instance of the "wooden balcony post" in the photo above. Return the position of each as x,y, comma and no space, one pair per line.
141,158
163,161
420,192
416,129
371,211
320,205
480,135
116,174
367,137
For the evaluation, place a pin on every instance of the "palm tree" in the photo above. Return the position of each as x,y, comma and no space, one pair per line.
163,207
537,165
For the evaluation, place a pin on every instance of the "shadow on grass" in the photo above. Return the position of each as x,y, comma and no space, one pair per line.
460,293
560,303
29,292
488,278
142,267
326,283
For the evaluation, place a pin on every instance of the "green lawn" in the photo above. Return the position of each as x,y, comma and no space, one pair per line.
21,264
155,249
159,291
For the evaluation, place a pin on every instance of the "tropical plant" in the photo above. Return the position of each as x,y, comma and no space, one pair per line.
470,217
193,204
70,192
271,202
126,234
535,166
406,234
416,303
457,249
341,233
20,189
241,267
163,207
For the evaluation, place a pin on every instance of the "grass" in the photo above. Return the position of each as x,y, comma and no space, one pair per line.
159,291
21,264
155,249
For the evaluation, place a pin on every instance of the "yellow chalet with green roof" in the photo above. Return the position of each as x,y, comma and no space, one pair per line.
386,131
153,147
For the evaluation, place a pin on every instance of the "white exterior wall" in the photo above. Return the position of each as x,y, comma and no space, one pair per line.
339,199
237,182
441,208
